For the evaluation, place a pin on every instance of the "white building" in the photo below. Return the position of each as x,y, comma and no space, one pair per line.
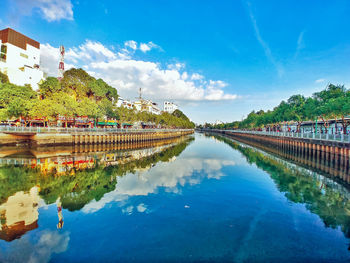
147,105
217,122
170,107
125,103
20,58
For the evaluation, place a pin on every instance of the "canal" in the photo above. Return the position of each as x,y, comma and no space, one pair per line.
203,197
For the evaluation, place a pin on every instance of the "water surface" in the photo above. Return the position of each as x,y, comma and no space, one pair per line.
208,199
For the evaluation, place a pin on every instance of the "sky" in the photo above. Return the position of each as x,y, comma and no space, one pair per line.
218,60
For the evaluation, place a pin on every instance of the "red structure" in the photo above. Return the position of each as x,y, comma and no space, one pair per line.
61,63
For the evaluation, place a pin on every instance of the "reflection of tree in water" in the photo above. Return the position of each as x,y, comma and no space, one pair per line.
320,197
79,189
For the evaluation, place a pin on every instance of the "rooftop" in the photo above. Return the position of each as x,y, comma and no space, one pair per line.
13,37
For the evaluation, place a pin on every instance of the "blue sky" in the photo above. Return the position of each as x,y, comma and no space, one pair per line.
218,60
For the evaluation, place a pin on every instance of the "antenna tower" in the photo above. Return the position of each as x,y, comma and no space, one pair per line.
61,63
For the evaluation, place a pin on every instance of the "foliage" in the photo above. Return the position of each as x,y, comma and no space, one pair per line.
332,102
165,119
49,87
16,101
4,78
78,189
77,94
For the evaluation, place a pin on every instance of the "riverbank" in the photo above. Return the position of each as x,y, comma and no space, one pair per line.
328,157
27,137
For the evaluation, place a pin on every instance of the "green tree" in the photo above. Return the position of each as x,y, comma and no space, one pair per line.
4,78
49,87
89,108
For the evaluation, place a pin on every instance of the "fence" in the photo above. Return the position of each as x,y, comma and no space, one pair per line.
319,136
76,130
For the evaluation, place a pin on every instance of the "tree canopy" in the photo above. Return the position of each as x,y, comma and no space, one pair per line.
76,94
331,103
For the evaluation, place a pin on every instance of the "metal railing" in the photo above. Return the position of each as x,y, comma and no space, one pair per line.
319,136
15,129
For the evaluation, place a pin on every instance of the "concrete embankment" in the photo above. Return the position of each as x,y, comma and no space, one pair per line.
84,138
330,157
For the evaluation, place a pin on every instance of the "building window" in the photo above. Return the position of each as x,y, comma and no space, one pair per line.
3,49
3,52
23,55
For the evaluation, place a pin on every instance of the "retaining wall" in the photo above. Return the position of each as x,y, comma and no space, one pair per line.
330,157
84,138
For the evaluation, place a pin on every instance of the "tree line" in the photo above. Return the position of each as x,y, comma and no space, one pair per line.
76,94
331,103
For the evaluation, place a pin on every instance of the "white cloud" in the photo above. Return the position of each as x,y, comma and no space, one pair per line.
141,208
51,10
215,92
126,74
128,210
145,47
24,250
300,44
320,80
145,183
131,44
177,66
263,44
196,76
90,51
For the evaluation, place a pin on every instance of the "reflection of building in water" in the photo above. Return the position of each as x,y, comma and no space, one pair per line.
19,214
59,214
70,160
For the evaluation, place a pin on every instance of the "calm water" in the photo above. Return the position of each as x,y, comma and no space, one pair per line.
195,199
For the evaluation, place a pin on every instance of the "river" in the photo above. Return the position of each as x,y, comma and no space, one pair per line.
198,198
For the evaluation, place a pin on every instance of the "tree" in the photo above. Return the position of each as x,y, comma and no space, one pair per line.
19,108
332,102
87,107
75,82
4,78
49,87
3,115
10,92
339,107
46,109
107,109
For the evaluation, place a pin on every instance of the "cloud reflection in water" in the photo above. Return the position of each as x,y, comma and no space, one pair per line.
171,175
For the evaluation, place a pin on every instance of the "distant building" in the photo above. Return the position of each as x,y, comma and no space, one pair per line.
147,105
20,58
125,103
170,107
19,214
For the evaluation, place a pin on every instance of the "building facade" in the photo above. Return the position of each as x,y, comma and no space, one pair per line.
20,58
170,107
125,103
147,105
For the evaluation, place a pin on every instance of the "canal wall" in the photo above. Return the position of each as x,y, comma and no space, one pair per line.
330,157
86,138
